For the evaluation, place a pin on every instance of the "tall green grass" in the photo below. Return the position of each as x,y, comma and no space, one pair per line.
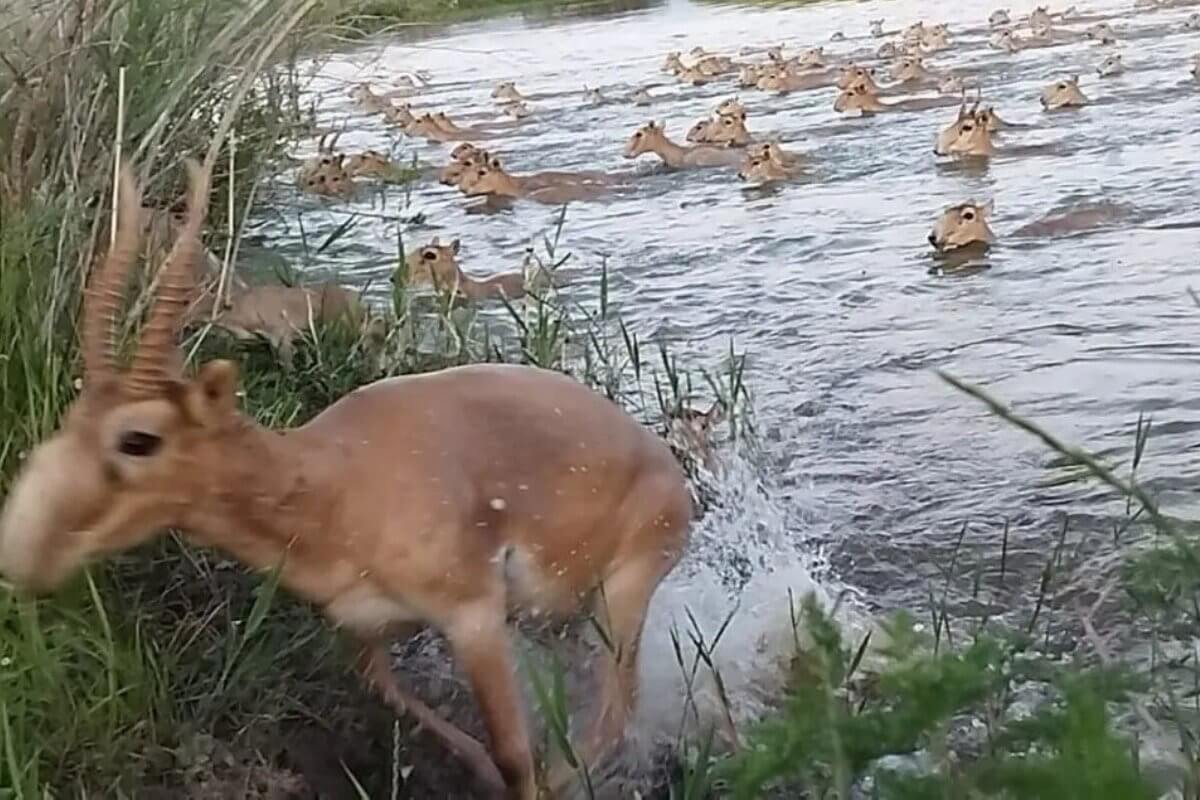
118,683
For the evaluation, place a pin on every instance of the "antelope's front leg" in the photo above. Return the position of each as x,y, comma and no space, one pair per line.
478,635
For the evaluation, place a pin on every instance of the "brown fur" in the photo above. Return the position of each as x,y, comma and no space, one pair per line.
652,138
961,226
492,179
370,164
436,264
446,499
859,97
326,175
280,314
368,100
1063,93
721,129
762,169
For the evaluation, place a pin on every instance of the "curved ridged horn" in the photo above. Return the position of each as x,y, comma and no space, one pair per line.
105,292
156,363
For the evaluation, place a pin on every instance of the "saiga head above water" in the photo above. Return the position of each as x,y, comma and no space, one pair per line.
645,139
876,26
969,135
857,97
910,69
961,226
435,264
999,18
369,163
1111,65
853,73
507,90
731,106
761,169
1063,93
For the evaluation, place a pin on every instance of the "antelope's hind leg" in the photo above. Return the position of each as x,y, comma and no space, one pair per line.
375,665
619,608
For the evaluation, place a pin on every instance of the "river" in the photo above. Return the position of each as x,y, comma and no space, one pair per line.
871,464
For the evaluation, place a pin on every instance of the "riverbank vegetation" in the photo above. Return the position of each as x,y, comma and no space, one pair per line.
172,673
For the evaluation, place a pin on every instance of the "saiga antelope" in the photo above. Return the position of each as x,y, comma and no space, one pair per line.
447,499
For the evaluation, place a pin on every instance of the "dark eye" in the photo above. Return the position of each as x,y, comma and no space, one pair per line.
429,255
968,215
1062,86
968,128
637,135
138,443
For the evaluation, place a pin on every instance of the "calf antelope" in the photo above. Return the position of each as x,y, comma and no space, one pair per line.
722,129
859,96
368,100
1063,93
962,225
652,138
777,155
507,91
1101,33
437,265
446,499
966,224
852,73
969,135
999,18
761,169
491,179
516,109
326,175
876,26
280,314
593,97
936,38
1110,66
911,70
371,164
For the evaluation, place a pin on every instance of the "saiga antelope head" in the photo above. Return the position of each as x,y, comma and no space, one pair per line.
123,466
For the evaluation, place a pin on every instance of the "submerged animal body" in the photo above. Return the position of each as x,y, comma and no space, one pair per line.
652,138
437,264
966,224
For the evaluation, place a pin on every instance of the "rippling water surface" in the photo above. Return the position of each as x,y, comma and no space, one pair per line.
825,283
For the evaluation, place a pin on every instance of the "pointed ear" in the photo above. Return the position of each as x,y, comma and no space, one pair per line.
454,246
436,242
987,208
212,395
1075,79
